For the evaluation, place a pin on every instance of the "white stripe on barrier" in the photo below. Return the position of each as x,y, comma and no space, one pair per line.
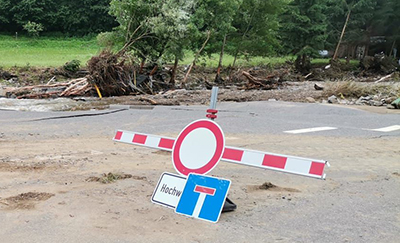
278,162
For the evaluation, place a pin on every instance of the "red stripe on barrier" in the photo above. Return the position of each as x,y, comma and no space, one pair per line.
166,143
232,154
317,168
274,161
138,138
206,190
118,135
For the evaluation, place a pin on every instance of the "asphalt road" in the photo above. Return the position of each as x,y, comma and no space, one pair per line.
247,118
358,202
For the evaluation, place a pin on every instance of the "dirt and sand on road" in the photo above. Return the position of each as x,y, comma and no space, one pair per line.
49,192
61,185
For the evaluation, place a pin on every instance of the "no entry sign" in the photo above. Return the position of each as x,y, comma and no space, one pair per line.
198,148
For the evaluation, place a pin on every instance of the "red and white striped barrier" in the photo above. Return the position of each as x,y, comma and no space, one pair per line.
278,162
284,163
151,141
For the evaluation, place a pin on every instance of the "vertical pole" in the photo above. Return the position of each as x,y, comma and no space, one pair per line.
214,96
213,104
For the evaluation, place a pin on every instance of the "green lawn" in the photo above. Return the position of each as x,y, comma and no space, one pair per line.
56,51
228,60
45,51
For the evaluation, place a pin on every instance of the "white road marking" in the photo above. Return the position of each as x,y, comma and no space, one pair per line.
386,129
314,129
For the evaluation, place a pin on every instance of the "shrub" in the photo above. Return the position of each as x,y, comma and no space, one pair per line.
72,66
33,28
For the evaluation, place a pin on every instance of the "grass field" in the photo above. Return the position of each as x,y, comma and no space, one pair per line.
56,51
45,51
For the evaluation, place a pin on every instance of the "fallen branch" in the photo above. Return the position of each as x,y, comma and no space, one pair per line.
308,75
384,78
66,91
256,83
153,102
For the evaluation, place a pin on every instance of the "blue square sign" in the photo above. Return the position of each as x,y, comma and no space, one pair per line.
203,197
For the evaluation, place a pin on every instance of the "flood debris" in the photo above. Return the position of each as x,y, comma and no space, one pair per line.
75,87
266,186
379,63
117,74
25,200
109,177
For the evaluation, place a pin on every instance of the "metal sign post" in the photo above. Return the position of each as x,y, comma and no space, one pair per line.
212,111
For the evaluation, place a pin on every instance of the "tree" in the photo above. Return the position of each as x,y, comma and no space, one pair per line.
212,20
163,29
80,17
391,20
354,22
37,11
74,17
157,28
5,17
256,26
303,30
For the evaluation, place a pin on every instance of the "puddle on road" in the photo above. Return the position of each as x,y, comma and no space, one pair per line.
45,105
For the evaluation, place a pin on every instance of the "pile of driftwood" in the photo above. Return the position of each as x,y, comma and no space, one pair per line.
75,87
109,74
116,74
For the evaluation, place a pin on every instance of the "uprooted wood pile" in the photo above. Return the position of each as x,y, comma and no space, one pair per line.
110,74
116,74
75,87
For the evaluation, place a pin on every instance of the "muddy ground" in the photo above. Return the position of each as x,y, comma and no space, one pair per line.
348,84
56,186
48,194
79,186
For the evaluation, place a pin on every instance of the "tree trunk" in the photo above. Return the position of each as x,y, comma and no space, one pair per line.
195,59
233,66
142,65
391,49
173,74
217,77
341,35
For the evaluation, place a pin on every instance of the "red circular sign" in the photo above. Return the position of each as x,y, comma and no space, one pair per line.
198,148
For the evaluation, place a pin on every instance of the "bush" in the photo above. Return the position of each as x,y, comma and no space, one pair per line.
33,28
72,66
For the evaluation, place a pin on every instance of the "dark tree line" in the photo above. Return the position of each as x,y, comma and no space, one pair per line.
73,17
347,28
165,29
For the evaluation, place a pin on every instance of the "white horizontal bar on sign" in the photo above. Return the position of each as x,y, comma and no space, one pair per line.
314,129
387,129
284,163
146,140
